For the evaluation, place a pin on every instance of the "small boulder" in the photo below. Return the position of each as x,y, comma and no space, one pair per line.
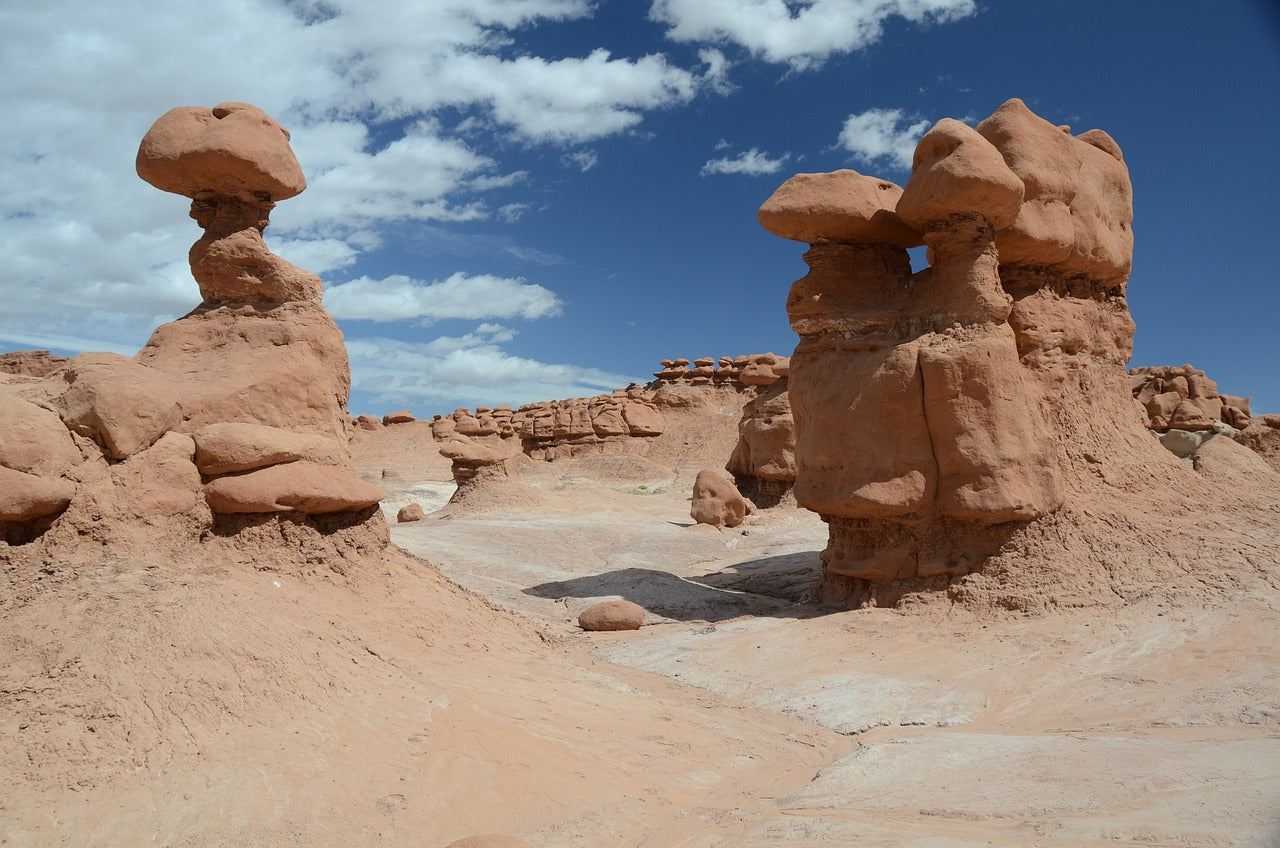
717,501
410,512
612,615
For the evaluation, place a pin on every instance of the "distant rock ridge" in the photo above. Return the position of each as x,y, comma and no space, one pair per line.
625,421
230,418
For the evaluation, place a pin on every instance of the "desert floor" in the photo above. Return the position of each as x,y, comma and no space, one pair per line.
302,704
1155,722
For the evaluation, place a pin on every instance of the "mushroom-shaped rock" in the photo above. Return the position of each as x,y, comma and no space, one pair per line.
233,149
612,615
229,448
958,172
837,206
306,487
26,497
717,501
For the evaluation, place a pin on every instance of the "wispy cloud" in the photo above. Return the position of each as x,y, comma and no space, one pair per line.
401,298
752,162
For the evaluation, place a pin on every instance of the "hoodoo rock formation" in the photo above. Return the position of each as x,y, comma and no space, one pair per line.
938,412
228,417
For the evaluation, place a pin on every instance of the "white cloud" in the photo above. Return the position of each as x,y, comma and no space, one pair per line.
471,369
800,33
583,160
751,162
716,76
368,95
882,136
400,298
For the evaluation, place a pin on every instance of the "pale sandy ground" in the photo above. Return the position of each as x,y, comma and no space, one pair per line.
304,701
1152,723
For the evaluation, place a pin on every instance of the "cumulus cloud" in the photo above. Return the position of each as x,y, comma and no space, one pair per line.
472,369
799,33
378,104
752,162
882,136
400,298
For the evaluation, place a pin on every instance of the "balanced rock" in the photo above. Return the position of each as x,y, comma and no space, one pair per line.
233,149
837,206
612,615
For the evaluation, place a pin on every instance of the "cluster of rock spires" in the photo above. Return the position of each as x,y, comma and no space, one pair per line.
230,415
1174,398
937,412
760,369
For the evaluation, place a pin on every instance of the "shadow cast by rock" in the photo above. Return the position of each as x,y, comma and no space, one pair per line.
770,587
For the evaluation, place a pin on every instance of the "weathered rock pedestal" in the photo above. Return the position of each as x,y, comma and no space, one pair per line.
937,413
231,419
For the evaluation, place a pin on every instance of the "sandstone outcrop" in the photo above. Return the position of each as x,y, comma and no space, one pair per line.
938,412
30,363
716,501
763,462
1174,398
237,409
651,420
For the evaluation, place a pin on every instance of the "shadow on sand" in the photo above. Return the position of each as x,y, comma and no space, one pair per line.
777,586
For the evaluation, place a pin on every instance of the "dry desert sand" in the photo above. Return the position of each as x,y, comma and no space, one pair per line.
1034,600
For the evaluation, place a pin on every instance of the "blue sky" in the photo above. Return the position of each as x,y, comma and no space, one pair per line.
514,200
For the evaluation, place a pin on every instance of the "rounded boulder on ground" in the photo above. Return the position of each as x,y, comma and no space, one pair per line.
612,615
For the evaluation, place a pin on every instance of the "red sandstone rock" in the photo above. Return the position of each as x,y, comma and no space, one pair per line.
410,512
404,416
31,363
119,403
230,448
716,501
302,486
956,171
26,497
612,615
34,439
233,149
840,206
1077,210
763,462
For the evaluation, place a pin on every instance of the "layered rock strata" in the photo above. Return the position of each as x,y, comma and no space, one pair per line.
232,414
938,412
